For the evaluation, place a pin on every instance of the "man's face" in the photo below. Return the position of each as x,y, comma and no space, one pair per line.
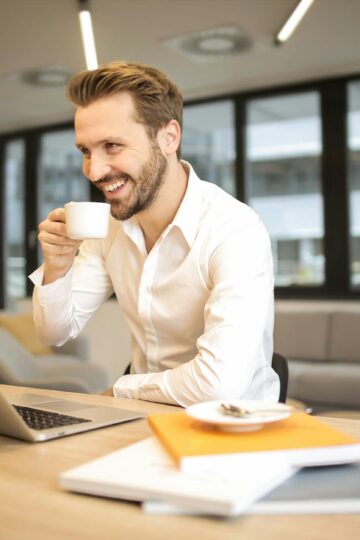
119,157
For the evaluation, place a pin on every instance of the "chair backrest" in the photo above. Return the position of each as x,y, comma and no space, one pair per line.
127,370
280,366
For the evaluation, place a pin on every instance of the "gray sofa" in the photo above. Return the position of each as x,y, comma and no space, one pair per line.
322,346
66,369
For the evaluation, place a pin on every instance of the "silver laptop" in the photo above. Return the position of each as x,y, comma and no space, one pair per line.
36,418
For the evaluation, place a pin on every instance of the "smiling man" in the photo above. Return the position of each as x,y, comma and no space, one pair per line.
190,266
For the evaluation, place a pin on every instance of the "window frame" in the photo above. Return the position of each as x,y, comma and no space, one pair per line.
333,117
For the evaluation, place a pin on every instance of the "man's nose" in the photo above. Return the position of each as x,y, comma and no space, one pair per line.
97,169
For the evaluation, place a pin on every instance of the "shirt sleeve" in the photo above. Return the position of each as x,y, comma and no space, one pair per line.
238,324
62,308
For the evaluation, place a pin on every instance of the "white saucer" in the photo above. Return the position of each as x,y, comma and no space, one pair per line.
210,413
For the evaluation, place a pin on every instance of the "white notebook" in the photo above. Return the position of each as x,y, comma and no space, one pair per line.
313,490
144,472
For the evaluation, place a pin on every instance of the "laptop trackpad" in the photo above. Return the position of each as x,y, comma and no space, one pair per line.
66,406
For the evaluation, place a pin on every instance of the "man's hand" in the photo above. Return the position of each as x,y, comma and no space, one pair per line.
108,392
58,250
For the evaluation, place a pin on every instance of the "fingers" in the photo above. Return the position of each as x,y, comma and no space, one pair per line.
51,233
58,249
55,222
58,214
53,229
53,237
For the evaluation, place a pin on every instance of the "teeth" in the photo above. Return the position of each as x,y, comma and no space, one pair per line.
114,186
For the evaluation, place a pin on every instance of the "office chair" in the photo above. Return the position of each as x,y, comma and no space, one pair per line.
280,366
127,370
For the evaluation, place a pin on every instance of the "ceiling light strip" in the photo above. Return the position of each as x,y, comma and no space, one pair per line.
87,35
293,20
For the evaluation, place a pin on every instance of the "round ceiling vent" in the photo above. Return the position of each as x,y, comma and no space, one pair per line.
217,43
51,76
212,44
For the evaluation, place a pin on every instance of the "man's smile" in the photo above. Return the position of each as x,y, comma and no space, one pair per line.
114,186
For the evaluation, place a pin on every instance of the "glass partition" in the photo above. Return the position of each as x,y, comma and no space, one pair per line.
14,234
209,142
283,152
60,176
354,180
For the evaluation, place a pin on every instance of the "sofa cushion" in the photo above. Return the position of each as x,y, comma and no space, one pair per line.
319,383
345,337
22,328
303,335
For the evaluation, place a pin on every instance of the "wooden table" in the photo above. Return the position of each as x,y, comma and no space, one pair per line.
33,506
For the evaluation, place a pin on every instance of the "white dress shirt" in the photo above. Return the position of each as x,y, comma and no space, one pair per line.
199,305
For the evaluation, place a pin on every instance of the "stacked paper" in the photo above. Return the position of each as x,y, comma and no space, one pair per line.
145,472
191,468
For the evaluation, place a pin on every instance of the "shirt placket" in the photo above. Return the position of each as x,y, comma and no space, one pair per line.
145,308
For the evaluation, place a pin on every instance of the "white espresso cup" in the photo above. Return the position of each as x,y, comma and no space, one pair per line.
87,220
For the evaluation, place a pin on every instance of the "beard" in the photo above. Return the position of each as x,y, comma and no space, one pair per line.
145,188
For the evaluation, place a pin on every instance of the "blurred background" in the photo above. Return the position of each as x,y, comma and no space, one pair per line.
276,125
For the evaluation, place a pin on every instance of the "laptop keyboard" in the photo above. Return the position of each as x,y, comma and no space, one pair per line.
39,419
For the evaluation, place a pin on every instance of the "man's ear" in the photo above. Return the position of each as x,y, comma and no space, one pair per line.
169,137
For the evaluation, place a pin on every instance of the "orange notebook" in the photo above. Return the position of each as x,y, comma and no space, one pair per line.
301,439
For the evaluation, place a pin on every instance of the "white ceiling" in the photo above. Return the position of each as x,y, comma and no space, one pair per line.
43,33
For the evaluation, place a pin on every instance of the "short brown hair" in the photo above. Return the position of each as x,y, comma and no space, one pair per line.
157,100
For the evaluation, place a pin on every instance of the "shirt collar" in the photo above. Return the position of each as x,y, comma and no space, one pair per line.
188,215
133,230
186,218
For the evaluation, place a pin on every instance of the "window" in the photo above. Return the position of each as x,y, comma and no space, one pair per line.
283,153
353,142
209,142
60,176
14,234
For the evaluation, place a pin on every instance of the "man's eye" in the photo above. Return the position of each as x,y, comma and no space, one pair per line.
112,146
84,151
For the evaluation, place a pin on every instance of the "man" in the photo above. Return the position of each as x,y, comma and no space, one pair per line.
190,266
